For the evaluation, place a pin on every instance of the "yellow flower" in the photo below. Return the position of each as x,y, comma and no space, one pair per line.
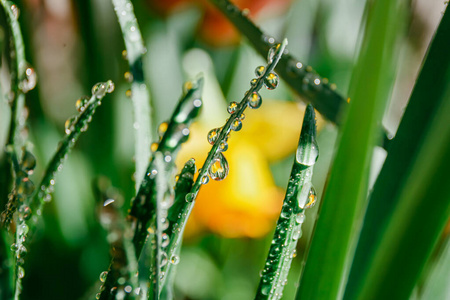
247,202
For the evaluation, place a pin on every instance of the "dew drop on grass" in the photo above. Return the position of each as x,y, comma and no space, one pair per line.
164,259
29,82
81,104
22,251
219,168
312,197
205,179
165,240
25,212
14,247
296,234
271,81
128,76
253,81
68,125
154,147
15,10
223,146
28,162
307,154
103,276
259,71
20,272
236,125
213,135
255,100
25,186
232,108
300,218
174,260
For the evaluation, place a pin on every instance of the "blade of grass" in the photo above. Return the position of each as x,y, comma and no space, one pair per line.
301,77
288,230
139,92
415,131
345,196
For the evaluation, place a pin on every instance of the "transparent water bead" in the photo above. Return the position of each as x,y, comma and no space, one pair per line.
165,240
25,212
205,179
307,196
232,108
300,218
15,10
28,162
255,100
253,81
259,71
271,81
236,125
100,89
308,154
69,124
223,146
29,82
81,104
128,76
219,168
271,53
25,186
213,135
20,272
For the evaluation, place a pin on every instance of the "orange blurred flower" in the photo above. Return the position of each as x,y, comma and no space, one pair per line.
215,28
247,202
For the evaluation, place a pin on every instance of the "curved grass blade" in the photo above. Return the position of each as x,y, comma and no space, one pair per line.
139,92
302,78
345,197
300,195
383,217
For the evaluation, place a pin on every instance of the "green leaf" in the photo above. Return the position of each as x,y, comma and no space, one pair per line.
410,201
345,196
300,195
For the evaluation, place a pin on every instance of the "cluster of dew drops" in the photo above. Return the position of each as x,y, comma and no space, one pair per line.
219,168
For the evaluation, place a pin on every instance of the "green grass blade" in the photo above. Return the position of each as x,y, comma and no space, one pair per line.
288,230
139,92
301,77
384,217
143,213
345,196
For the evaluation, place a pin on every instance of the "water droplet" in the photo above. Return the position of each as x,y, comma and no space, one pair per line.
174,260
296,234
232,108
311,198
154,147
213,135
219,168
205,179
164,259
25,186
223,146
190,197
271,81
14,247
81,104
103,276
165,240
236,125
265,290
162,128
128,93
242,117
68,125
15,10
28,162
128,76
271,53
22,251
255,100
124,54
25,212
20,272
259,71
29,82
128,289
308,153
253,81
99,90
300,218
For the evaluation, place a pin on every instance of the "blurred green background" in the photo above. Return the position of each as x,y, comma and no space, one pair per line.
74,44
